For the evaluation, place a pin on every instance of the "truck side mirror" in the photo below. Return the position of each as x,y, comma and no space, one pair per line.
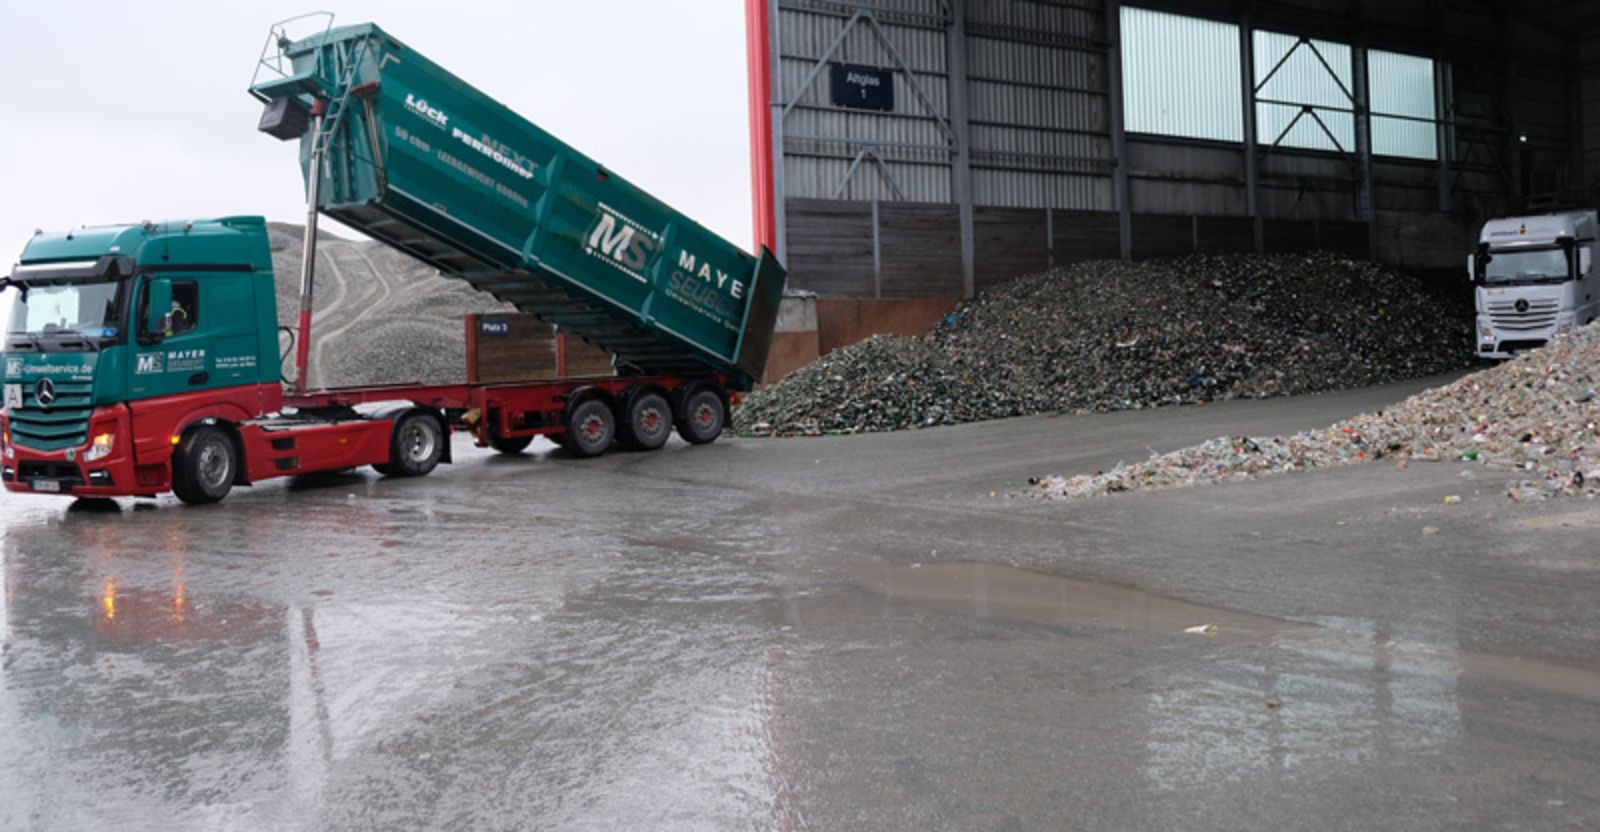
159,306
1478,264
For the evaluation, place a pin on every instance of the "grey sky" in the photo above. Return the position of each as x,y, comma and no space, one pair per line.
117,111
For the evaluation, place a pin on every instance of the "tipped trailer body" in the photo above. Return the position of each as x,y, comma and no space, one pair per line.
416,157
141,359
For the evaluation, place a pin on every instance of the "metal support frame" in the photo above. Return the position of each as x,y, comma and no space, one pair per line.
869,153
782,106
1050,237
1252,173
1444,142
1445,137
870,19
877,250
1365,207
1358,158
1119,138
1305,109
961,134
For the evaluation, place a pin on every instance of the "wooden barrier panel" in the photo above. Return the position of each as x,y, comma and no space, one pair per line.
1083,235
842,322
920,250
843,249
512,348
581,359
830,247
1008,242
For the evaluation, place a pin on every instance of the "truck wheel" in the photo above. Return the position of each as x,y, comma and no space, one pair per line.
590,428
649,422
204,466
703,417
415,447
511,445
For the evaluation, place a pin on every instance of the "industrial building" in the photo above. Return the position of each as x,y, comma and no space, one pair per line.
913,150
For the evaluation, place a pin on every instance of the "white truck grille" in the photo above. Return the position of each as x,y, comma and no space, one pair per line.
1534,316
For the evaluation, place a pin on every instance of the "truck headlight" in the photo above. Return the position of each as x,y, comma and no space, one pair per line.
1485,332
101,447
5,440
1564,328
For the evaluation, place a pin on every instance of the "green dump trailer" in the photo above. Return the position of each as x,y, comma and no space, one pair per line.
397,147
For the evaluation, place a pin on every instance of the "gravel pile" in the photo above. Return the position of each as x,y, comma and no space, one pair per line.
1536,418
1110,335
381,317
884,380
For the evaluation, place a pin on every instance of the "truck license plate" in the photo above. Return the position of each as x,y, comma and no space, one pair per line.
13,397
47,485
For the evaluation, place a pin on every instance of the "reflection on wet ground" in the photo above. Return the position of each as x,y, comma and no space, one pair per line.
643,643
988,590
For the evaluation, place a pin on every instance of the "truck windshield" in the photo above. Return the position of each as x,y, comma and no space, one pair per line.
63,316
1527,265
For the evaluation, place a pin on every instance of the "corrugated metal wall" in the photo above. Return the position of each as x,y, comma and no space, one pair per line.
1402,85
869,196
1036,82
909,149
1181,76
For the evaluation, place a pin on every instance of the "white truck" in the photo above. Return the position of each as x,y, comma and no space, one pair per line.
1535,277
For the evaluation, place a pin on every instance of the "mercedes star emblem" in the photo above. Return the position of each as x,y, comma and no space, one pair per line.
1522,304
45,393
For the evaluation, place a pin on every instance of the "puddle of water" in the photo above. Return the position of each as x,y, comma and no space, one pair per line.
1007,592
997,591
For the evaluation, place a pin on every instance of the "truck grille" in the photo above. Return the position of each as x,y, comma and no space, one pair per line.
65,424
1540,314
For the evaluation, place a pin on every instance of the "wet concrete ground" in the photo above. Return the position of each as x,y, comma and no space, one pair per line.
839,633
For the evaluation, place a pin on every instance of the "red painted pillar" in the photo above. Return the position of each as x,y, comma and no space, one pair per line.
761,169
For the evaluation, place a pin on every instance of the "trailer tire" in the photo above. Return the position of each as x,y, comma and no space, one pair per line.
415,447
648,422
703,416
511,445
590,429
204,466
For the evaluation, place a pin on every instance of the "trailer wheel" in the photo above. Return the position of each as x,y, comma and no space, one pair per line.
703,416
511,445
204,467
415,447
649,422
591,426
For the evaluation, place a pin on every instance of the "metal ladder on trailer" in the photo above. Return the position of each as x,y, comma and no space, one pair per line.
327,118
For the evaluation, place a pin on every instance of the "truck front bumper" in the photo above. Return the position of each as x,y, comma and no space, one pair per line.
69,471
1500,344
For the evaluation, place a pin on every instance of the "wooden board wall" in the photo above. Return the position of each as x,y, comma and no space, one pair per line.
511,348
843,249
